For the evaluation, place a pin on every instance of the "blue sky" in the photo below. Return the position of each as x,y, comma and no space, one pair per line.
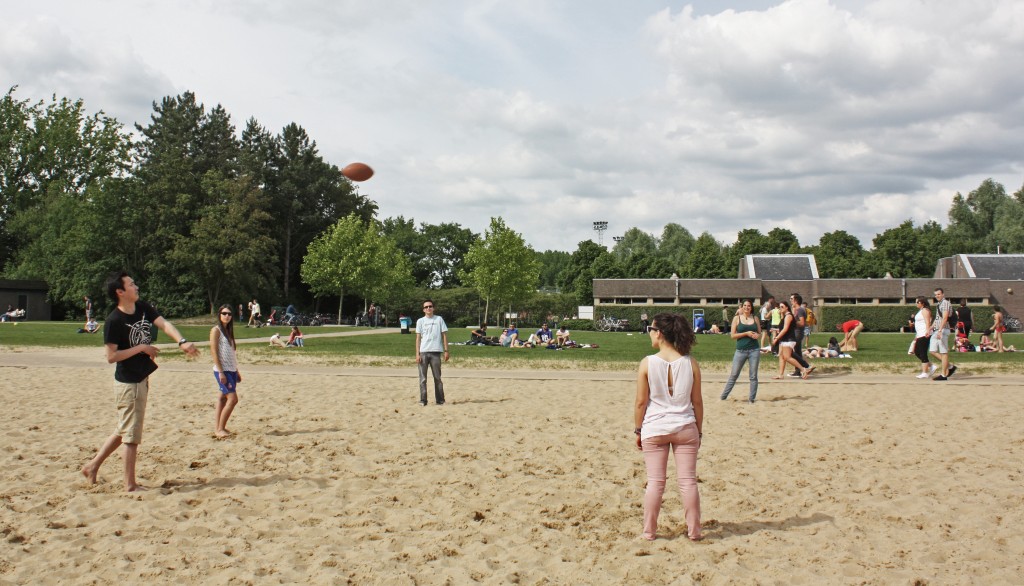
812,115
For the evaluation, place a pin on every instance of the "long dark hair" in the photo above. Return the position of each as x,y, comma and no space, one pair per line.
227,331
676,330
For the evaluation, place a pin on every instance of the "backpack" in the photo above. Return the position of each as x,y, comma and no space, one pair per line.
811,318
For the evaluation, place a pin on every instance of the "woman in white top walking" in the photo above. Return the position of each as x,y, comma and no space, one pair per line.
669,415
225,368
922,336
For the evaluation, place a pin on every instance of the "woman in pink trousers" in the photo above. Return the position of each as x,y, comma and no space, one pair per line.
669,416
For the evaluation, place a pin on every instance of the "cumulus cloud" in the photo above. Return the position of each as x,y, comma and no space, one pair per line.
813,115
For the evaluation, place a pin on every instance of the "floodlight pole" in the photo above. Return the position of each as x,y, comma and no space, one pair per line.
600,227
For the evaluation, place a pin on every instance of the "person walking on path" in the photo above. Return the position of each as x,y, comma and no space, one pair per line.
922,335
225,369
746,330
669,416
431,342
939,344
127,336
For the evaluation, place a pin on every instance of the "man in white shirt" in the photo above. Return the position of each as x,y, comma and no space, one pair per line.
431,342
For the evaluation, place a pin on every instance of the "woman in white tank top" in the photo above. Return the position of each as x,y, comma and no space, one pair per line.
922,336
669,416
225,369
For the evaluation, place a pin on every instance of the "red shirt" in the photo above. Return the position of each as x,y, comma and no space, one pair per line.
848,326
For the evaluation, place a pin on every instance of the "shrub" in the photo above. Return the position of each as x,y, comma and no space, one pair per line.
578,325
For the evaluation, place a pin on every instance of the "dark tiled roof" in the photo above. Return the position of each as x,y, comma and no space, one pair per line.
998,267
783,267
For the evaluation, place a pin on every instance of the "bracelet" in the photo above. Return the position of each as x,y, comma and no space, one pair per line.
636,430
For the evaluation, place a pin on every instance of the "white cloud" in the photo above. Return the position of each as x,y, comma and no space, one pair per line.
807,114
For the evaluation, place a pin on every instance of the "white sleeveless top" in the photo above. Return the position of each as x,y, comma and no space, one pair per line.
227,355
921,328
668,413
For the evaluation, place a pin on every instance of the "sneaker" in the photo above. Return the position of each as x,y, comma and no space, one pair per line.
940,377
931,369
794,374
952,369
922,375
423,404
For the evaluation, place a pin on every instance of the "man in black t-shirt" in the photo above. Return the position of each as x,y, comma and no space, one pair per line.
127,334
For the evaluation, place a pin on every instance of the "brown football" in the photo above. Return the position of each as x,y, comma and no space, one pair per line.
357,171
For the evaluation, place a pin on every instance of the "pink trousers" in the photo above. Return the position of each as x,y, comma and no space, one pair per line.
684,444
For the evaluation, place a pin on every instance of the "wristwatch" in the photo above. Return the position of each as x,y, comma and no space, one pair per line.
182,341
636,431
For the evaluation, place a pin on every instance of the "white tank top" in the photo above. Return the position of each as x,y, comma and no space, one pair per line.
668,412
921,328
226,354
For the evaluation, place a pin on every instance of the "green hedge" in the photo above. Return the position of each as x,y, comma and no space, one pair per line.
890,318
712,313
876,318
577,325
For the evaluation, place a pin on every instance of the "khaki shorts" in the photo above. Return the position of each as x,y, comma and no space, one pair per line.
939,342
131,410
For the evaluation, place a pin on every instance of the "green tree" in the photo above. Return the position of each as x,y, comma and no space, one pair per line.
356,257
748,241
230,252
501,266
635,241
552,263
307,196
972,220
675,244
445,248
897,251
644,265
838,255
49,150
577,278
781,241
706,260
1008,233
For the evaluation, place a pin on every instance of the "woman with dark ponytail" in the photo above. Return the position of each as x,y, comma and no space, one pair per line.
225,368
669,415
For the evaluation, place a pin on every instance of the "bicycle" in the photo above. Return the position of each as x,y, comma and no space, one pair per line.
611,324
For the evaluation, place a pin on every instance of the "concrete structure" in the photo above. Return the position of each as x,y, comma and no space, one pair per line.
981,279
27,295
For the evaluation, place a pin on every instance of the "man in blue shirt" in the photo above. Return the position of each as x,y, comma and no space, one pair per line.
431,342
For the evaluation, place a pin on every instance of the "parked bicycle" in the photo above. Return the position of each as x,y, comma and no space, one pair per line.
612,324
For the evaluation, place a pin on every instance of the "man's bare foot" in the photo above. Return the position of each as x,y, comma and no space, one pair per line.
135,488
89,474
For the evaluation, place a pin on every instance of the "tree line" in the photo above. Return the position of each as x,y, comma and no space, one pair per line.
201,215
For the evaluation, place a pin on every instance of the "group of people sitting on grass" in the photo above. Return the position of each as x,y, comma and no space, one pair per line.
510,338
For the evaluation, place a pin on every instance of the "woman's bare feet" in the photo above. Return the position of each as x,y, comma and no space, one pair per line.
90,473
222,433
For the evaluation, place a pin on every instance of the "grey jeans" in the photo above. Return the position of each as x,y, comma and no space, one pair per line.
754,356
433,360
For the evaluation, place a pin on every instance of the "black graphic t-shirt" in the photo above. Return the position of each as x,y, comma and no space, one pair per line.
128,331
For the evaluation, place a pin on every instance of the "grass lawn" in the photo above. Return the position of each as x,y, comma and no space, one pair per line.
880,352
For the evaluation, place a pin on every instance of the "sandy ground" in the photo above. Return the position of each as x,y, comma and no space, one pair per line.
337,475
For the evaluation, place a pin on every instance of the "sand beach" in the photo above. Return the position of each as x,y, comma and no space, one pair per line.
336,475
